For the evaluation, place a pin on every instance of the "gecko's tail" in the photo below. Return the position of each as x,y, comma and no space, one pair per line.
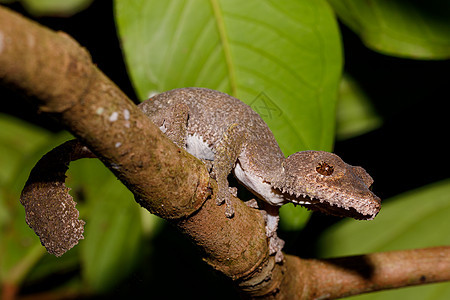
49,208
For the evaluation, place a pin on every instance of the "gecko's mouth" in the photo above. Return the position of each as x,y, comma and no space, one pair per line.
329,207
303,200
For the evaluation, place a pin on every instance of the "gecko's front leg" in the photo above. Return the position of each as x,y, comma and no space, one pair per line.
271,219
276,244
227,152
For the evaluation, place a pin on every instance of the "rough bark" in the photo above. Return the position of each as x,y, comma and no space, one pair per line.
59,76
353,275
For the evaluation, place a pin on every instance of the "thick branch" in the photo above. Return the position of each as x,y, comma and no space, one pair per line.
56,72
59,75
53,69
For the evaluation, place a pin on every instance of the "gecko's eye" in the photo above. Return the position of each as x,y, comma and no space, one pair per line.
325,169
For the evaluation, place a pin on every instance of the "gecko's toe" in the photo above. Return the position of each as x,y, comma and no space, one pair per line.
275,246
220,199
229,211
252,203
279,257
233,191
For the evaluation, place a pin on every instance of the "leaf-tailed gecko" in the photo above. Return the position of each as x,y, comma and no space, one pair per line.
228,134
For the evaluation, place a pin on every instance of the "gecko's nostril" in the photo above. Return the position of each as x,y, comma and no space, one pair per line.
325,169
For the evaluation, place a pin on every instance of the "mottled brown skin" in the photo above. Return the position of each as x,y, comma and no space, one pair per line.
230,137
218,128
329,185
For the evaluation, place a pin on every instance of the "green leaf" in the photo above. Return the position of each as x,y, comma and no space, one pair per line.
17,140
23,145
412,29
49,265
407,221
355,113
281,57
416,219
19,247
436,291
293,218
64,8
113,230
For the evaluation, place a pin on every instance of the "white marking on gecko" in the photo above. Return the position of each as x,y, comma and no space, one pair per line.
259,186
196,146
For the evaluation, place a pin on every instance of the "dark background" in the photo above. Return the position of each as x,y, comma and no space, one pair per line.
408,151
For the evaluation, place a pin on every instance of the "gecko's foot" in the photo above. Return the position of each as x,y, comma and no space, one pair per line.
233,191
275,243
279,257
252,203
275,246
229,210
221,198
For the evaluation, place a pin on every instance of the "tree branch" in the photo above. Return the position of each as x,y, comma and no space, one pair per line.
58,74
353,275
60,77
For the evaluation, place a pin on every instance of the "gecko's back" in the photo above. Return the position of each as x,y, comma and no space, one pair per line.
210,115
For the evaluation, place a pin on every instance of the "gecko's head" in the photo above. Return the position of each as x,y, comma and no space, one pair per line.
322,181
